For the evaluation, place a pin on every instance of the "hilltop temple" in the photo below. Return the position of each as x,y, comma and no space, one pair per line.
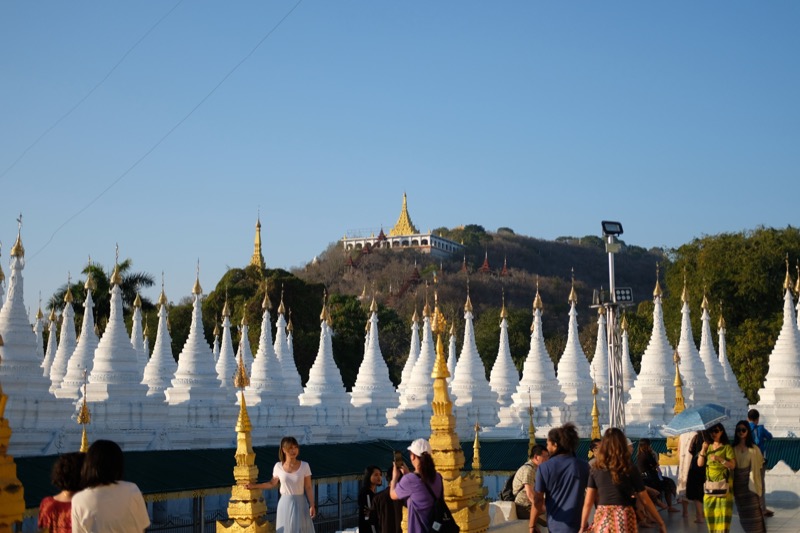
404,235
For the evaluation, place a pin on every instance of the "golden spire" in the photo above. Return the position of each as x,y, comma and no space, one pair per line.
137,302
415,318
426,310
685,293
787,283
373,308
404,225
226,310
796,285
325,315
624,324
573,296
265,303
116,278
537,301
146,332
91,285
503,312
657,292
468,304
258,257
289,325
281,308
68,299
601,311
162,298
197,290
595,413
531,428
216,328
476,453
18,250
39,314
453,329
52,317
721,322
243,322
678,383
84,418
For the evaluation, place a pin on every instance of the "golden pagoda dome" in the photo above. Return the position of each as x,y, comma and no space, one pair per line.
266,303
197,289
52,317
137,302
404,225
91,285
68,299
18,250
162,298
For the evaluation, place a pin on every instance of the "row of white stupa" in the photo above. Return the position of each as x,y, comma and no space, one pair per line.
157,403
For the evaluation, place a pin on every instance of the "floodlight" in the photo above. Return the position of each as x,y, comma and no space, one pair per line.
611,228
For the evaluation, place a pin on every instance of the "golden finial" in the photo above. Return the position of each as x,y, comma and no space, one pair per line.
266,303
624,324
281,308
116,278
52,317
476,451
685,293
39,314
84,418
537,300
796,285
531,429
787,283
325,315
240,378
243,322
721,322
415,318
216,328
68,299
137,302
468,304
226,310
595,413
704,305
678,383
91,284
503,312
438,323
426,311
601,311
258,258
573,296
453,329
197,289
18,250
162,298
404,225
290,326
657,292
373,308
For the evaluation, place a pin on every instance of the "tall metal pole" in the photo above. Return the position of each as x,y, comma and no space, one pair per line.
616,407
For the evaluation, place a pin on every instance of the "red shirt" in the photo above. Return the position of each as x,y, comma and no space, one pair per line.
55,516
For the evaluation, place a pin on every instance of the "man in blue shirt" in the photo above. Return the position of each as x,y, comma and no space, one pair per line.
761,437
560,483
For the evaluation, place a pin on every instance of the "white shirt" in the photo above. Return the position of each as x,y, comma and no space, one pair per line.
292,483
115,508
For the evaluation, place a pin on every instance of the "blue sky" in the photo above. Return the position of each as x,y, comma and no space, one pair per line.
679,119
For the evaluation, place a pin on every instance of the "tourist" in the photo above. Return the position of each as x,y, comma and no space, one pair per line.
593,444
691,476
417,492
719,460
560,483
761,438
107,503
647,463
55,512
296,505
524,480
367,518
747,487
614,486
388,512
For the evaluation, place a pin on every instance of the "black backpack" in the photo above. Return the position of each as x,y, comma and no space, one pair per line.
508,494
442,520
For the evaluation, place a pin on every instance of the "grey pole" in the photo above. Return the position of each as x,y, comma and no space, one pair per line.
616,407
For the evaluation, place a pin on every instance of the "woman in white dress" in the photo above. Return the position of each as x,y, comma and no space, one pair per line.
296,506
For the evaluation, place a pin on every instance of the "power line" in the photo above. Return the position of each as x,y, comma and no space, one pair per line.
91,91
170,131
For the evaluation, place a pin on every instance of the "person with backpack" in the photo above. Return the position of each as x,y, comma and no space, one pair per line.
760,438
523,481
418,492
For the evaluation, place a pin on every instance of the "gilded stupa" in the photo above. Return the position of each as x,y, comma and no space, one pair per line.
671,457
12,503
258,258
463,492
404,234
247,511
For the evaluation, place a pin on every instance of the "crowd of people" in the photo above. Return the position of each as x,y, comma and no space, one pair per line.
610,492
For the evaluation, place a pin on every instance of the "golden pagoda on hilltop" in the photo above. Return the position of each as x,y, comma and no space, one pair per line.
404,234
247,511
258,257
463,492
12,502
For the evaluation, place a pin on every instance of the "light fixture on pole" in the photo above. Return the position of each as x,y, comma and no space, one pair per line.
616,407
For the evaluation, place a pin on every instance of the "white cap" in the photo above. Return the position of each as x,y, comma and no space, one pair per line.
420,446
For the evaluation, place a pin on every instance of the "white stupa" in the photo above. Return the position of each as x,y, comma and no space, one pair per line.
196,398
599,366
66,343
413,355
333,417
115,391
652,397
714,372
244,350
779,398
137,335
697,387
412,418
373,390
52,344
734,391
628,372
452,359
31,411
285,355
504,377
226,363
38,327
473,400
215,346
160,369
538,389
82,358
574,374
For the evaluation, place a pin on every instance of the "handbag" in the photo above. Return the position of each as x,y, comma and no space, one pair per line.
716,488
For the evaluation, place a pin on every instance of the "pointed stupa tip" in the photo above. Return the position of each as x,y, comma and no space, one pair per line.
244,320
453,329
146,332
373,308
116,278
18,250
685,293
137,302
426,311
704,305
162,298
415,318
216,328
240,378
537,300
39,314
91,285
197,289
226,311
68,299
573,296
787,282
796,285
624,324
52,317
601,311
657,292
281,307
594,388
721,322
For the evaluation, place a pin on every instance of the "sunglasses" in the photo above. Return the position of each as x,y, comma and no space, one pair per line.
742,430
715,430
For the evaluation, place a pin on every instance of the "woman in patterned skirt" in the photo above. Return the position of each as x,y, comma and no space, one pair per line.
614,485
719,460
747,487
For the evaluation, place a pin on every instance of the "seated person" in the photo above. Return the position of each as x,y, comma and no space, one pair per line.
524,481
647,463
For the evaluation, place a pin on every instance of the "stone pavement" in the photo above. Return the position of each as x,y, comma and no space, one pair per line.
786,520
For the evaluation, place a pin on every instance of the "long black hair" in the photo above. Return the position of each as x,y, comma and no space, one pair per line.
286,441
366,483
426,470
748,437
723,437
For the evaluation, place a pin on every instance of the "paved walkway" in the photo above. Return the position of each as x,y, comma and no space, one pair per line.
786,519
